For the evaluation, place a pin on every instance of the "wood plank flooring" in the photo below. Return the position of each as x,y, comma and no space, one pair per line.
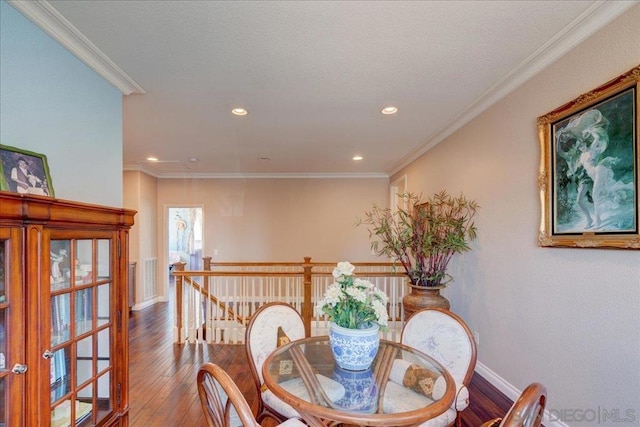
163,376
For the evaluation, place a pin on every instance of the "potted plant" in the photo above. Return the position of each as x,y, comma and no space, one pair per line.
357,310
423,236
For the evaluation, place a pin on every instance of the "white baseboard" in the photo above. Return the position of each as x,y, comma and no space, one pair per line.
147,303
512,392
498,382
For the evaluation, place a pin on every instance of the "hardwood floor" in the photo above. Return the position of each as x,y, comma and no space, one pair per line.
162,376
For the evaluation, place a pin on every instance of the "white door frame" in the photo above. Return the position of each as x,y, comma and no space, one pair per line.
164,264
398,186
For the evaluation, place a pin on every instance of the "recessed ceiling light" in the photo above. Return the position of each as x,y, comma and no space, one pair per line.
239,112
358,158
152,159
389,110
193,160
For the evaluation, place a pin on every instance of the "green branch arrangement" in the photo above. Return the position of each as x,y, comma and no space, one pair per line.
423,235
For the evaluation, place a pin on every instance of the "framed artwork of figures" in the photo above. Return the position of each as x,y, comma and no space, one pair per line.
24,172
589,168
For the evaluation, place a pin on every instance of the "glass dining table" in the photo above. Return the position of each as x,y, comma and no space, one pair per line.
403,386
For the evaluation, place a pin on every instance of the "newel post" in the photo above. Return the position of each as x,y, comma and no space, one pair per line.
206,262
206,265
307,310
179,266
204,292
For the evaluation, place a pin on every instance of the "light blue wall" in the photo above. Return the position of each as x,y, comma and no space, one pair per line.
52,103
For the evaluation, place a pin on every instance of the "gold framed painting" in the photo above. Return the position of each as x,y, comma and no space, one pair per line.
24,172
588,175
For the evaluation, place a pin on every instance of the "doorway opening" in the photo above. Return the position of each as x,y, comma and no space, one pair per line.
185,240
397,188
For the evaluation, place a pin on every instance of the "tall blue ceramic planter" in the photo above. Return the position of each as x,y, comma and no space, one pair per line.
354,349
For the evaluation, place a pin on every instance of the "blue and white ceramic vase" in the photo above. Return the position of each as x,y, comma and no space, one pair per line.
354,349
361,390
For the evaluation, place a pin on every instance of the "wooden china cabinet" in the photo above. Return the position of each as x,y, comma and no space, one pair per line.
63,312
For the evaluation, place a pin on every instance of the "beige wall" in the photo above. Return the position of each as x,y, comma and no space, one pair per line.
140,193
277,219
130,194
569,318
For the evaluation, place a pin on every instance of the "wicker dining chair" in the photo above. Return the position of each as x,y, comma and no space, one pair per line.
261,339
444,336
223,403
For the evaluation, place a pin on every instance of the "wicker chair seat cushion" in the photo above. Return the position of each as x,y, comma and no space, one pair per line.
334,390
398,398
292,422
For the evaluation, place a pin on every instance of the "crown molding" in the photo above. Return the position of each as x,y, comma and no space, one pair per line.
596,16
187,175
45,16
136,168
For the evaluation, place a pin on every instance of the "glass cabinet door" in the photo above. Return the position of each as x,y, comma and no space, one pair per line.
12,360
81,283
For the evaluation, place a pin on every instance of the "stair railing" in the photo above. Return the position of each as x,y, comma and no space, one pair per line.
215,304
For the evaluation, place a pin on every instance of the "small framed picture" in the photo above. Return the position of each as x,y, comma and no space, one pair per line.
589,168
24,172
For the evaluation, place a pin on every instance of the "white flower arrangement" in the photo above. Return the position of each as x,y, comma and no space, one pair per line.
354,303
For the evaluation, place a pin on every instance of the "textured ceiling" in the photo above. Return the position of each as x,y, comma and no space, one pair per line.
315,75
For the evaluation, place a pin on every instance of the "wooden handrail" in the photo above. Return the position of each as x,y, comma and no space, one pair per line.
291,264
238,273
204,273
